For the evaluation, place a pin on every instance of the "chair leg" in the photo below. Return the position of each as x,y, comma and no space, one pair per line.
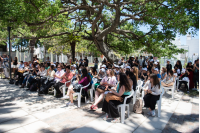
63,91
79,100
172,92
54,91
122,113
134,98
85,99
159,108
91,94
128,110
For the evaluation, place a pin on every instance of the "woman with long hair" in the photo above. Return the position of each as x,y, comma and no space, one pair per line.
121,90
132,77
163,73
109,80
190,69
153,94
83,80
178,67
135,72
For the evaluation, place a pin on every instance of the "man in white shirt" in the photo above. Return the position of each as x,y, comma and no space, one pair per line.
57,77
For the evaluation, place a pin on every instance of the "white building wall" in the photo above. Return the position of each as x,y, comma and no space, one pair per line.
193,47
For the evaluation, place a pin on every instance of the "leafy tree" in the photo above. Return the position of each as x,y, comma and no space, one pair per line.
113,24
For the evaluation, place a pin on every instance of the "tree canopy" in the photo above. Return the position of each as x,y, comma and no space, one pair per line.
109,24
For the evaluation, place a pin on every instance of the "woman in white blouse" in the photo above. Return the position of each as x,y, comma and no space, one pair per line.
51,72
152,88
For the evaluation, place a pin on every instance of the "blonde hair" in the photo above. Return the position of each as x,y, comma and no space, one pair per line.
112,73
135,72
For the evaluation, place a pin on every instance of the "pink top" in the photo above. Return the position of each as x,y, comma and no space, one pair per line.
60,74
110,80
69,76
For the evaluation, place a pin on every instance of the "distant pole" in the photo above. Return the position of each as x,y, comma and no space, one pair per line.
9,28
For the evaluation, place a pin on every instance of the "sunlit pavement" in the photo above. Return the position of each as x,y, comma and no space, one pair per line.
23,111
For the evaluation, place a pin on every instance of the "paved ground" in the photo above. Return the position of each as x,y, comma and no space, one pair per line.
24,112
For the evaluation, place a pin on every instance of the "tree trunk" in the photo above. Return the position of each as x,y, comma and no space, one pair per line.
73,45
32,44
104,49
44,54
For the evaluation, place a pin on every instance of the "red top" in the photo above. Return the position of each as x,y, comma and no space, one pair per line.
69,77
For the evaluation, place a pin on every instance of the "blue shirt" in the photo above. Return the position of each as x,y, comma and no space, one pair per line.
21,66
159,76
91,78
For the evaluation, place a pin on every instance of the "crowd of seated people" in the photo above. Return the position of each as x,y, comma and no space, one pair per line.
118,79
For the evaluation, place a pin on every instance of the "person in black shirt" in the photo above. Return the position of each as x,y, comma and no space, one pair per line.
178,66
136,62
196,73
168,66
190,69
86,62
143,76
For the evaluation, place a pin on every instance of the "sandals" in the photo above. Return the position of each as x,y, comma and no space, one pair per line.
93,107
116,120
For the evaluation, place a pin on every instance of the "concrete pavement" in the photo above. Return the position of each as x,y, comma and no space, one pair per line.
24,111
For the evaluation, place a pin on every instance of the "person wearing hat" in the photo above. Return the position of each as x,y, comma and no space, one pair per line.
156,71
143,76
190,69
128,68
184,75
168,66
116,70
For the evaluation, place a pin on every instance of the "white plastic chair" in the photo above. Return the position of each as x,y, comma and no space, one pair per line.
92,88
79,95
137,90
123,107
172,88
160,101
63,87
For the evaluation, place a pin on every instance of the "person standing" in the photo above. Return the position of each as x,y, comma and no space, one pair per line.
96,63
190,69
15,62
86,62
80,61
5,66
168,66
196,73
140,60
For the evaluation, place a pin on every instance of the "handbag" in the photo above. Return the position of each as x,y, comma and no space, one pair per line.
111,96
77,87
102,88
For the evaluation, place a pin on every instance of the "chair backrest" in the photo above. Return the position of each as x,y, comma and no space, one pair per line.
162,93
86,86
132,93
94,80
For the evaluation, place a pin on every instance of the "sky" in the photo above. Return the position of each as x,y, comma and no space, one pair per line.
178,36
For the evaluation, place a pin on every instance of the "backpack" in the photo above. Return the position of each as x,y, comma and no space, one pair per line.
34,87
137,108
12,81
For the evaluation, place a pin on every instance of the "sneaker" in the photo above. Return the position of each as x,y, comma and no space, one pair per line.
149,113
65,97
68,103
91,107
88,101
71,104
153,113
188,92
